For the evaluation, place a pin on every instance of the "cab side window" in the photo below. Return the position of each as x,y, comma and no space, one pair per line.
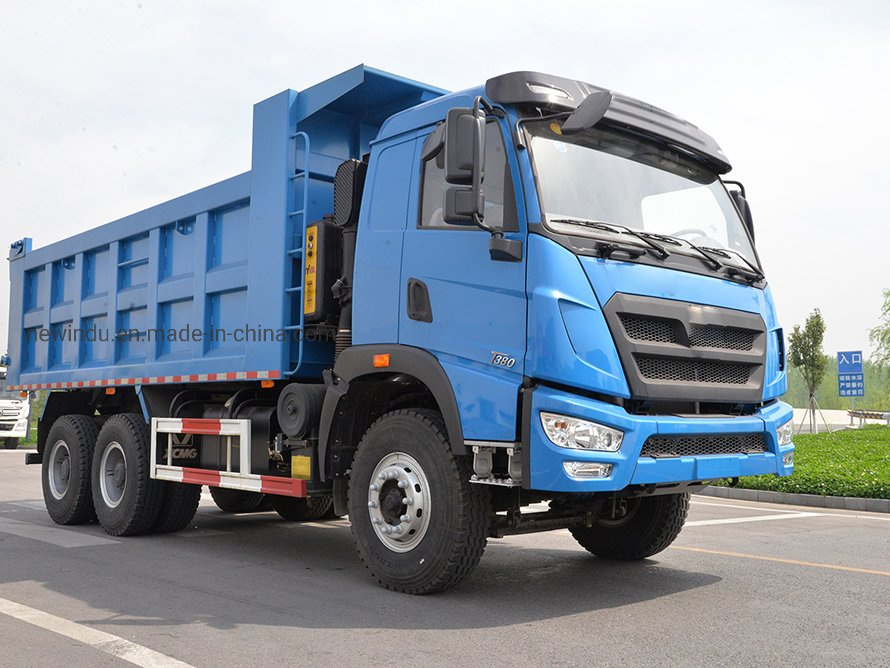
500,201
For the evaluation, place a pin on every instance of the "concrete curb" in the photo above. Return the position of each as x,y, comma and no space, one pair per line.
815,500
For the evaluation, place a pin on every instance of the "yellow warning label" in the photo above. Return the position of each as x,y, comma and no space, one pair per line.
301,467
311,261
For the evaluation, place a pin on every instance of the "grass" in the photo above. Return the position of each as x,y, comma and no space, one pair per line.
852,462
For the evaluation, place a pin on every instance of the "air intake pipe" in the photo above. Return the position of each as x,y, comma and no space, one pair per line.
348,185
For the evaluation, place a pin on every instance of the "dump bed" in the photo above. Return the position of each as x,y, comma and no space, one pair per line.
208,286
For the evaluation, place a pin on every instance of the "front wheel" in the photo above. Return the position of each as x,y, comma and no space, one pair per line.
10,443
643,526
418,524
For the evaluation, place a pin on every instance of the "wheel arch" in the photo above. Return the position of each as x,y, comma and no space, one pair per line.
358,392
83,402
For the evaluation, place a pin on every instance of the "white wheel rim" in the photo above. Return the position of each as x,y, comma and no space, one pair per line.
113,474
59,477
399,502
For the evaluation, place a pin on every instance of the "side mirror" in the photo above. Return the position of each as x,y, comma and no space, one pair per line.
464,166
738,197
464,142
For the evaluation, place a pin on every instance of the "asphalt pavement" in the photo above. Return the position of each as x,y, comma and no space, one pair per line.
746,584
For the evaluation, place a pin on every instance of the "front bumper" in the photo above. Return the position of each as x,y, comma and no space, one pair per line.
15,429
545,460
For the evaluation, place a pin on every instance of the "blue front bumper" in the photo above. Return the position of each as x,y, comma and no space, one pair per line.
545,461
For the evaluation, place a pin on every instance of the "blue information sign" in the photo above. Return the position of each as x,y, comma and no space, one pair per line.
850,378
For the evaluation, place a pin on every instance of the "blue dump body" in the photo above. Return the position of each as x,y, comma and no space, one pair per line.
547,332
224,258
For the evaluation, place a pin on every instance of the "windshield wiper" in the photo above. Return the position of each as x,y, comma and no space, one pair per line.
707,259
752,276
615,228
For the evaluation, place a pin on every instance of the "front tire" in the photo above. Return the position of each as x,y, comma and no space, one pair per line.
10,443
646,527
126,499
418,524
65,471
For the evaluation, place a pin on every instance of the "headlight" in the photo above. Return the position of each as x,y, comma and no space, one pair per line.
569,432
785,432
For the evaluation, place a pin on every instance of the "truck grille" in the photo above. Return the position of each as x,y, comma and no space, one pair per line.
6,426
700,371
681,352
706,444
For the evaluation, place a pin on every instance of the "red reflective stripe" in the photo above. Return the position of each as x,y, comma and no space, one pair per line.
252,374
200,426
283,486
200,477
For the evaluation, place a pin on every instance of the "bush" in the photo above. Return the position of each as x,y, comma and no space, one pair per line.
852,462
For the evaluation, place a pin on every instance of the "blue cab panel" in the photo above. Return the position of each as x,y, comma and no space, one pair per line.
225,260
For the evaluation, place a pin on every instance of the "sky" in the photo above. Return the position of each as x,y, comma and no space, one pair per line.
112,107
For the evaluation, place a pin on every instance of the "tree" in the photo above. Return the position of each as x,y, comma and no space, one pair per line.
880,336
805,353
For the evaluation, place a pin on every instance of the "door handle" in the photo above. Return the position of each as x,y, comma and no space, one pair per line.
418,304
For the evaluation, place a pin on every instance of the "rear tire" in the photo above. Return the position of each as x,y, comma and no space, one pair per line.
126,499
238,501
65,472
179,507
295,509
648,527
10,443
418,524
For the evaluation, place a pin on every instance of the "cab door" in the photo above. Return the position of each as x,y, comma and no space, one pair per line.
458,303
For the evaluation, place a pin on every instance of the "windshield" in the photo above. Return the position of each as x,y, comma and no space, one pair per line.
4,393
605,176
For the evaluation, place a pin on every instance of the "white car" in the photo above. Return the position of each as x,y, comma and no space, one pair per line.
14,411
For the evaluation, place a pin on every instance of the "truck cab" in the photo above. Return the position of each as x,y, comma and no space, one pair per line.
630,339
15,408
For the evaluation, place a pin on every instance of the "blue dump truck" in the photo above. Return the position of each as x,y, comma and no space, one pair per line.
432,312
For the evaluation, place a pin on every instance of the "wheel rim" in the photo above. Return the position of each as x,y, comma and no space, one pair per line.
399,502
113,474
59,470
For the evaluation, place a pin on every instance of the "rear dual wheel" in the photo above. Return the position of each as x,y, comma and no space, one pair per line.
65,471
127,501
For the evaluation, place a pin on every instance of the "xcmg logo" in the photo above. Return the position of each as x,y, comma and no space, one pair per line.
181,447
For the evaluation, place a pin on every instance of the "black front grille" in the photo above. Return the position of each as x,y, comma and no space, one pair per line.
708,336
700,336
6,427
692,371
675,351
648,329
705,444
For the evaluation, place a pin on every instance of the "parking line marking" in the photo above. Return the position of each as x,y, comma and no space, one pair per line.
731,505
753,518
104,642
51,535
828,512
795,562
